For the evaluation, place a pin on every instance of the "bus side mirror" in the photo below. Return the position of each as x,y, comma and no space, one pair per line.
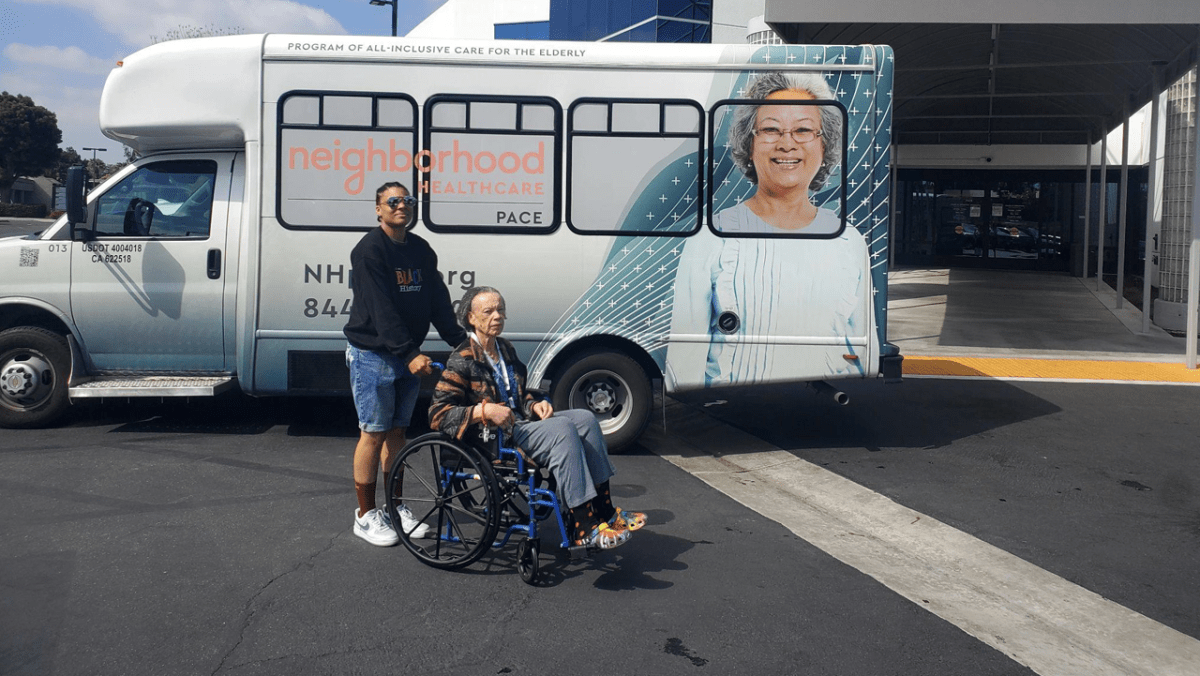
76,199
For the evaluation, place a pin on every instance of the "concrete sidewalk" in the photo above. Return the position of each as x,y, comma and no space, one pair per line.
998,323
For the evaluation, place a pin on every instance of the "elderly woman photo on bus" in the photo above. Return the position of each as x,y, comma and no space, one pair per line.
787,151
484,385
736,296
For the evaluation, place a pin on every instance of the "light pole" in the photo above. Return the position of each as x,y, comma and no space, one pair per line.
382,3
94,151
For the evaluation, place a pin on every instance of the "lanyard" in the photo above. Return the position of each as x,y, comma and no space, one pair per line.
506,380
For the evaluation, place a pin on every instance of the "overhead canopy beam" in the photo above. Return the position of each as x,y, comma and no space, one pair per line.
987,12
1010,95
1000,117
1148,63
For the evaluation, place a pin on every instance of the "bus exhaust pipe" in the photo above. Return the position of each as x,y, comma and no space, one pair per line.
823,387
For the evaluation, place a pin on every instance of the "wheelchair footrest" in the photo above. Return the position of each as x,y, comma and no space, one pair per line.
577,552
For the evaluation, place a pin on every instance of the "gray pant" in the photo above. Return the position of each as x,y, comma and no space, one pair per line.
571,445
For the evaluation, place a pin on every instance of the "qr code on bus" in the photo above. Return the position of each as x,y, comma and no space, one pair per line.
29,257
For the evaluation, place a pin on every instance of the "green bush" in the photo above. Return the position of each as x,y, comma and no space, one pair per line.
23,210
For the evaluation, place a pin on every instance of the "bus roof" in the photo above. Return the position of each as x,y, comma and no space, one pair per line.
207,92
525,52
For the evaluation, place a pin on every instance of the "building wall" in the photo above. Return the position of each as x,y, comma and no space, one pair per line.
731,19
992,157
630,20
39,190
477,19
43,191
582,20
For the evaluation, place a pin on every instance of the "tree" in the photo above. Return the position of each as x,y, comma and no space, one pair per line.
96,169
66,159
29,138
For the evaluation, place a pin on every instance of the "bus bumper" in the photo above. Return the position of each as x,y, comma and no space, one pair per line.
891,364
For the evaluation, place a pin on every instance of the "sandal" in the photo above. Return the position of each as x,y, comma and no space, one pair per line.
606,537
630,521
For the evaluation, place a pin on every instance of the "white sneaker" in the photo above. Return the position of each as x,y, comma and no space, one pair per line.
415,529
374,528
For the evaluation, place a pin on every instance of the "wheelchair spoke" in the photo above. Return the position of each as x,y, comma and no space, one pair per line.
452,509
451,489
409,470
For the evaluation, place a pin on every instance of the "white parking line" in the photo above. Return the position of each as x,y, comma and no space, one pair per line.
1052,626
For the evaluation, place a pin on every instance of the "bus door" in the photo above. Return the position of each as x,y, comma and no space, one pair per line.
147,281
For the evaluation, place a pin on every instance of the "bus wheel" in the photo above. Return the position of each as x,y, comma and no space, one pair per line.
34,367
613,387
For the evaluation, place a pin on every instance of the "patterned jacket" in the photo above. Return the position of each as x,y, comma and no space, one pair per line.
469,380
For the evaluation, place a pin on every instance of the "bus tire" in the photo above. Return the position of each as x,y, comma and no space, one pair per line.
35,365
613,387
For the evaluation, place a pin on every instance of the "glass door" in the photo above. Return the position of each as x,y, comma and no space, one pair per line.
963,222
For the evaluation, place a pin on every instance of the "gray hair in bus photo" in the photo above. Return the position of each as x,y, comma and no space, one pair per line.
741,132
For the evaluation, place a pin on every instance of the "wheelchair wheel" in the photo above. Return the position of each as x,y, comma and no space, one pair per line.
452,490
527,560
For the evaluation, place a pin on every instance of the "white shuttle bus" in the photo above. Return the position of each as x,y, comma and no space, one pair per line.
696,215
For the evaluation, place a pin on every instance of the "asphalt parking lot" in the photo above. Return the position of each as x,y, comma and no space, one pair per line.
213,537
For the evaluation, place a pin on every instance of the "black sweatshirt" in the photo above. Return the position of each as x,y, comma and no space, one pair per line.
397,293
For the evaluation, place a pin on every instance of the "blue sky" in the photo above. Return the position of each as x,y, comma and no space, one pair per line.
58,52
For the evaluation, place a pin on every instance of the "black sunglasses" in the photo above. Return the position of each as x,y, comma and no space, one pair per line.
394,202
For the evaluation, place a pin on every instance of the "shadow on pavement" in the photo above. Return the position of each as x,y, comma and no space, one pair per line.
231,413
918,413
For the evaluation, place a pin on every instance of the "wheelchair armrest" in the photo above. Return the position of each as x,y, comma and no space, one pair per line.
538,393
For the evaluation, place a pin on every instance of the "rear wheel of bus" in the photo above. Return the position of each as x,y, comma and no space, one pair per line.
611,385
34,367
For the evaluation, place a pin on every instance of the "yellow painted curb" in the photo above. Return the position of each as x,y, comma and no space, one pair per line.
1058,369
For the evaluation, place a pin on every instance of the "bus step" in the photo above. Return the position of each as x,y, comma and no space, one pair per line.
151,386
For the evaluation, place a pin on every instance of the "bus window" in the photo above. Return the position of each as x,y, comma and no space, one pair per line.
781,157
170,199
634,166
347,111
335,149
490,164
302,110
395,113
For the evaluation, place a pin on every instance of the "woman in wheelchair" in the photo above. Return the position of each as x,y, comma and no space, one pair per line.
484,385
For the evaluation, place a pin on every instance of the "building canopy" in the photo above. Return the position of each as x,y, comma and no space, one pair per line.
1017,72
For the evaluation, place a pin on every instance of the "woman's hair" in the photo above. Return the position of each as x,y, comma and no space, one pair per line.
464,305
386,187
741,132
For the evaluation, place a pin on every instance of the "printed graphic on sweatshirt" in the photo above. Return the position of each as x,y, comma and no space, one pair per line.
408,281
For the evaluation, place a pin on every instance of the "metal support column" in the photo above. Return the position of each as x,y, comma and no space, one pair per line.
1122,207
1103,215
893,224
1087,208
1150,256
1193,301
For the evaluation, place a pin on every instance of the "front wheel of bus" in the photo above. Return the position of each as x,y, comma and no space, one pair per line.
34,367
613,387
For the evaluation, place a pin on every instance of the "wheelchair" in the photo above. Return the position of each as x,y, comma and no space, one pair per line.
474,500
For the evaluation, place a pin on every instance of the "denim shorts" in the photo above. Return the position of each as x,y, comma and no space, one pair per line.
385,392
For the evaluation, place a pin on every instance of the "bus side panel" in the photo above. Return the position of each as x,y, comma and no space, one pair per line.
624,162
744,309
881,200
